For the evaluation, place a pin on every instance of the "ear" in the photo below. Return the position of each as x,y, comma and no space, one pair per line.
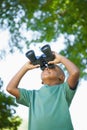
62,78
42,82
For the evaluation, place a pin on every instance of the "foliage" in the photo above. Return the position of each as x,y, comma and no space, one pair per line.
8,119
47,19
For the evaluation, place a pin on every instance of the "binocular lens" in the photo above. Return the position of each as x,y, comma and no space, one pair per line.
46,50
31,56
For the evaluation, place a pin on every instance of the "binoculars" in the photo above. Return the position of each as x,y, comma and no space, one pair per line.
43,59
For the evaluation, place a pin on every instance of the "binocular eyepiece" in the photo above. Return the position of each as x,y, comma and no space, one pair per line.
43,59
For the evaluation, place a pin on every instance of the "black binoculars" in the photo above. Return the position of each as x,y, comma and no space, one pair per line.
43,59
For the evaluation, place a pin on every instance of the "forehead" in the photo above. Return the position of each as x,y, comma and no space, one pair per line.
58,68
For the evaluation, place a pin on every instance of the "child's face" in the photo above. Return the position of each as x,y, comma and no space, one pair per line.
52,76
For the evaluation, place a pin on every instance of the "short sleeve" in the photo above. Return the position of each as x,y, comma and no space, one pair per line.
24,98
69,93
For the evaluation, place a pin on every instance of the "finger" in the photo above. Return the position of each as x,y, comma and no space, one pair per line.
36,66
51,62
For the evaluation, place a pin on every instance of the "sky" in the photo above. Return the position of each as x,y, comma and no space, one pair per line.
13,62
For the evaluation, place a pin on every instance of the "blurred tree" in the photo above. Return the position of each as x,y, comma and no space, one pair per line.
7,111
46,20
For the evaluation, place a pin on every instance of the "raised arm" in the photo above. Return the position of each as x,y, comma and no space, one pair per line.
12,86
71,68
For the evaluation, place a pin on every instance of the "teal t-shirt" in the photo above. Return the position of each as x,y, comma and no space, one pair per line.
48,107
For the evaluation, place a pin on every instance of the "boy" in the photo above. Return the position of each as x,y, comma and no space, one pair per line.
48,106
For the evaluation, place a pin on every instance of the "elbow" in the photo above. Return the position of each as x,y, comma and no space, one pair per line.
8,89
76,74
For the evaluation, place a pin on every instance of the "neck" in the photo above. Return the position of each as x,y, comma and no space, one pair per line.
52,83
